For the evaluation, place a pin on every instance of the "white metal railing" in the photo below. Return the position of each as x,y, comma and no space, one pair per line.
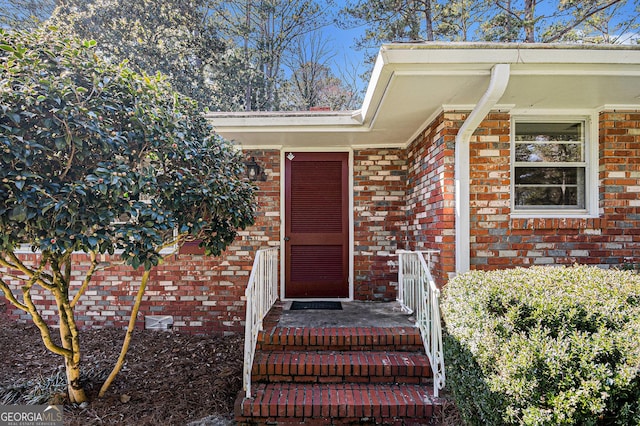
418,294
261,294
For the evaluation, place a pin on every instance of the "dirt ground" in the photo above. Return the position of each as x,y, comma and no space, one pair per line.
169,378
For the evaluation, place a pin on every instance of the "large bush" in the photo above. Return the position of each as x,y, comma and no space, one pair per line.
99,159
544,346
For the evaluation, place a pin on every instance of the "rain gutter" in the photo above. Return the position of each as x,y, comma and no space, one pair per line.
497,86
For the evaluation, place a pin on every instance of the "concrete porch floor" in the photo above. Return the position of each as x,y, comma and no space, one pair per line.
353,314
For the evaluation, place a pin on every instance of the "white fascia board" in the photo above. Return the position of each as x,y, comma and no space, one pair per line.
264,121
512,53
617,70
374,91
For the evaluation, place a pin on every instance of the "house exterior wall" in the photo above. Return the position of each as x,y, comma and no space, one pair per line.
612,239
499,240
205,295
402,198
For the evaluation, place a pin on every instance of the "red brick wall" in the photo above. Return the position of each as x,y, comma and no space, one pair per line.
492,242
379,190
430,193
498,240
204,294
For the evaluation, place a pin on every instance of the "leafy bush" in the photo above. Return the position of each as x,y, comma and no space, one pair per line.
544,346
99,159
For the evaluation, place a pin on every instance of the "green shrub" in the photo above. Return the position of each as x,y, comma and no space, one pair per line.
544,346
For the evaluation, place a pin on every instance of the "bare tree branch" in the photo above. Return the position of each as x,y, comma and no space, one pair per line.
580,20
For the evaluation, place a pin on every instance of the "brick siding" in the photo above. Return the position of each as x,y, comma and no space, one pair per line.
430,193
379,193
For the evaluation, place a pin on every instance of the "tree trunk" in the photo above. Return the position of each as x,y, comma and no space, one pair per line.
509,25
428,20
248,89
529,21
71,342
69,336
76,392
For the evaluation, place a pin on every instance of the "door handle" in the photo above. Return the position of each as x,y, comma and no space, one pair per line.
287,238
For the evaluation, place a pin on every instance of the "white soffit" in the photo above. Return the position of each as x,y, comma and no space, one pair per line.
412,82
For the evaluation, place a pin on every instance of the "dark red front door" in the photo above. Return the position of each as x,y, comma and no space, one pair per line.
316,225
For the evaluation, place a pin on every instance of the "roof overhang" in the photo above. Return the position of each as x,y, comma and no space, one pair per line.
412,83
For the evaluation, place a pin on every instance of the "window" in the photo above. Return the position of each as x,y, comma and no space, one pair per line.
550,166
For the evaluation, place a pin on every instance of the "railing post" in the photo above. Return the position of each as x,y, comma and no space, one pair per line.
401,277
248,342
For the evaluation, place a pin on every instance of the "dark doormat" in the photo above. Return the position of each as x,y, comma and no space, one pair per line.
299,306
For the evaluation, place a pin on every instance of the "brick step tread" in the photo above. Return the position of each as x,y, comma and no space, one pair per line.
347,366
340,338
355,401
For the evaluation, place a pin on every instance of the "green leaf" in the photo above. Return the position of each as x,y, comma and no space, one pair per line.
18,214
60,143
7,48
14,117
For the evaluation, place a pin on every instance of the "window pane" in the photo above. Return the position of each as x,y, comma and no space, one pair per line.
544,144
551,196
548,176
549,152
550,132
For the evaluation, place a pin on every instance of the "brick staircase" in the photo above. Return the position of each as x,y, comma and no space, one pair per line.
338,375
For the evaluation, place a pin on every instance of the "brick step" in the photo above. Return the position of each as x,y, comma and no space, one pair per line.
335,367
340,339
332,403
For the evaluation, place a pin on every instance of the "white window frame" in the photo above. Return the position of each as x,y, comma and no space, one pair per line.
590,160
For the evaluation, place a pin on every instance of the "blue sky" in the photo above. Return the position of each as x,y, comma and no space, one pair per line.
342,42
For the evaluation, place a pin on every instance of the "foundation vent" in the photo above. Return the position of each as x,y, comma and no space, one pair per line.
158,322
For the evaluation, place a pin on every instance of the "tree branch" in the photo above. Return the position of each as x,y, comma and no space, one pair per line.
19,265
45,333
127,338
8,294
87,278
67,269
580,20
509,11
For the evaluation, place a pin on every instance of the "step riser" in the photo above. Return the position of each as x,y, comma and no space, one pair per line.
349,367
343,404
340,339
339,379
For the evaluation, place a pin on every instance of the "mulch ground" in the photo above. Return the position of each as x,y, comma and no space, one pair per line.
169,378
